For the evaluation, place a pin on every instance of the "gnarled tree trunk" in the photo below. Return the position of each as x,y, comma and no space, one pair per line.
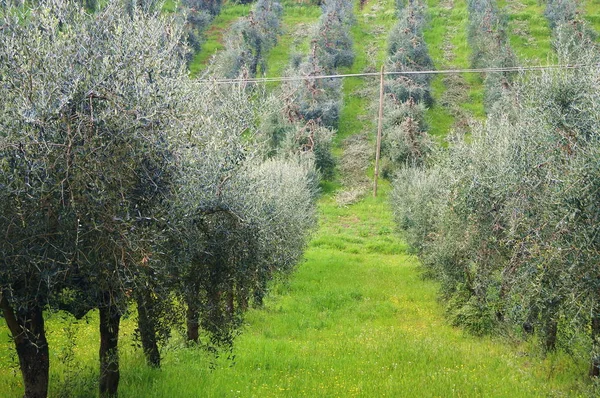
110,318
28,333
550,325
192,316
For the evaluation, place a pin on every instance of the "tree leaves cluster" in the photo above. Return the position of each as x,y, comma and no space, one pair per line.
198,15
507,221
121,180
570,31
319,99
407,51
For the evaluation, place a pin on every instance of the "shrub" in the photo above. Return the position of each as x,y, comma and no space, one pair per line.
559,12
405,141
295,139
332,44
233,224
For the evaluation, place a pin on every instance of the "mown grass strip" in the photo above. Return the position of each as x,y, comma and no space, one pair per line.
446,37
591,13
529,32
437,36
298,20
369,33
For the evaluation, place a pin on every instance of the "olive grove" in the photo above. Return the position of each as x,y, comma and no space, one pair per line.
507,219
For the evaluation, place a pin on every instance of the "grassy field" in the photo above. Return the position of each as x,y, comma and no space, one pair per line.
357,319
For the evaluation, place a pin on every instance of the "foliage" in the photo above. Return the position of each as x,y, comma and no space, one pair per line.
311,101
84,138
102,133
88,104
290,138
405,141
332,44
231,238
356,295
199,14
559,12
211,6
319,99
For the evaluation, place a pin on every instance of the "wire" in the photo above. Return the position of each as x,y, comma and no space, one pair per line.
368,74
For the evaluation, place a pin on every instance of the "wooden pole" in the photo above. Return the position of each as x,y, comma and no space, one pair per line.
379,128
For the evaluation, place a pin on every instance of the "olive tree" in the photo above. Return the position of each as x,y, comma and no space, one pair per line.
405,140
407,51
240,218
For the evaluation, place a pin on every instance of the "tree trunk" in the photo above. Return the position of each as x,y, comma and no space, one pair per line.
110,318
28,333
147,327
595,365
242,300
550,332
550,325
230,302
192,316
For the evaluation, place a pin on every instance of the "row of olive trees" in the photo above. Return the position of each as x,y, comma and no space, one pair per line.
122,180
488,38
249,41
319,99
405,140
198,16
311,103
508,220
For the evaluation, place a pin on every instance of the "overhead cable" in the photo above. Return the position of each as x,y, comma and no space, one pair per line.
516,69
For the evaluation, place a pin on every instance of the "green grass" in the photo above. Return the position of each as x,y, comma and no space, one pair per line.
369,34
591,11
448,25
439,119
355,319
